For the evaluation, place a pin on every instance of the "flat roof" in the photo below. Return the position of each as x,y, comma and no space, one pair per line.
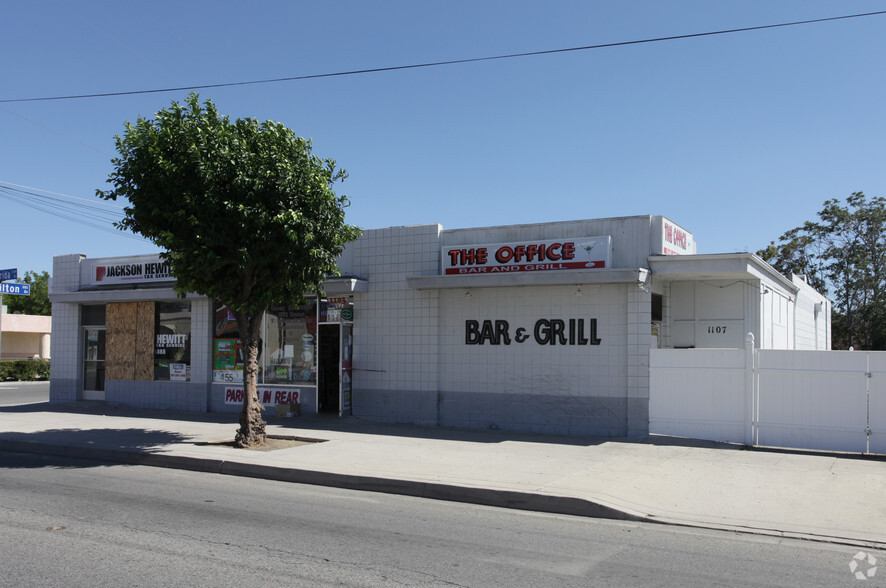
716,266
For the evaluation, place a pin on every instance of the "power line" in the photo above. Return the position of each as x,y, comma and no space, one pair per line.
93,202
55,207
91,214
447,62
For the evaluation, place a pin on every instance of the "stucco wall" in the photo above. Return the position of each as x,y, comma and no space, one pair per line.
25,336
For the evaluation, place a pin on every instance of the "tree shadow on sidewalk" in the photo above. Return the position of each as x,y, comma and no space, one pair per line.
65,447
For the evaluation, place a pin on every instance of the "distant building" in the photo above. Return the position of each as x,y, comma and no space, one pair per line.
540,328
24,336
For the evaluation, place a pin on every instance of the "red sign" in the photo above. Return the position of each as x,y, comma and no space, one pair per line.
564,254
234,395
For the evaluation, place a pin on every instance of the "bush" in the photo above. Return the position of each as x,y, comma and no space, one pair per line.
24,370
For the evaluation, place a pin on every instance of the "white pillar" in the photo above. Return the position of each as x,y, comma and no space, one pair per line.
44,345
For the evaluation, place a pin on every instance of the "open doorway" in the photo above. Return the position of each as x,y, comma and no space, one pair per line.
329,368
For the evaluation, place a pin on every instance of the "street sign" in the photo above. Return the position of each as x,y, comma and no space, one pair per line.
8,274
19,289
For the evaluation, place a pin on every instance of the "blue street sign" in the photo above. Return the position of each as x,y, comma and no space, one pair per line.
8,274
20,289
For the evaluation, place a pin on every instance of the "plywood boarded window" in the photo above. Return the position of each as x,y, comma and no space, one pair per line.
130,341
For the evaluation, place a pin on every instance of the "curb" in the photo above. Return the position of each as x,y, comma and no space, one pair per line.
510,499
482,496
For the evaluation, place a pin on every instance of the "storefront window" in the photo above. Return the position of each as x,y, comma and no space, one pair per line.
172,341
290,345
287,346
93,315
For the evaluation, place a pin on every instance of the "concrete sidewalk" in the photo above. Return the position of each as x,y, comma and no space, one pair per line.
828,497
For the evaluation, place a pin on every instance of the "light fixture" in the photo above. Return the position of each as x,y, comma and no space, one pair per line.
578,291
467,292
643,287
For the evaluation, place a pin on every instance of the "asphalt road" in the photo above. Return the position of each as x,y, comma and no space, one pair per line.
78,523
12,393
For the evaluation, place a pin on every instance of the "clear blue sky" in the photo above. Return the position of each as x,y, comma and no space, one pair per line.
736,137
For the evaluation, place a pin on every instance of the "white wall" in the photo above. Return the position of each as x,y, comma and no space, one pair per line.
777,311
529,368
711,313
395,375
812,318
698,393
412,363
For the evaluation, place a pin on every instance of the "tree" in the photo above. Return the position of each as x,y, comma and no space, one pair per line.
37,302
843,255
243,210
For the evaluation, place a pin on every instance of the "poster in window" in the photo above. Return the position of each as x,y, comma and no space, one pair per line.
172,340
225,356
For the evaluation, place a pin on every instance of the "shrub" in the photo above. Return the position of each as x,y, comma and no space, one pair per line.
24,370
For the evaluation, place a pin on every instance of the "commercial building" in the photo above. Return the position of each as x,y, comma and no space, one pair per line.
24,336
540,328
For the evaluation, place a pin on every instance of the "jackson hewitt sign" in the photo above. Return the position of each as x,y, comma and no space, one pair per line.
140,269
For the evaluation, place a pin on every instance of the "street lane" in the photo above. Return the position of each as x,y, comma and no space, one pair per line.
16,393
74,523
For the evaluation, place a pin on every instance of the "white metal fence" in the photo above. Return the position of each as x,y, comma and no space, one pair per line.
826,400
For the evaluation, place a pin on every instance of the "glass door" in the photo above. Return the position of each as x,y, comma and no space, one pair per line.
93,364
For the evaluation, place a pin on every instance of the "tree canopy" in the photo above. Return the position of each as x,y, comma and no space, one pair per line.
37,302
243,210
843,255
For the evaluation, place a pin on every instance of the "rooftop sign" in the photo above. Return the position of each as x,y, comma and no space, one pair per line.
672,239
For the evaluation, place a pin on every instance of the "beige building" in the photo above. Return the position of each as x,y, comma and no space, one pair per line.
24,336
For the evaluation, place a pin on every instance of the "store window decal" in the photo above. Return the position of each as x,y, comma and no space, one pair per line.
172,341
287,346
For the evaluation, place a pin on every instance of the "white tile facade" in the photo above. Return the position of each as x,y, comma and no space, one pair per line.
412,359
396,329
412,362
66,368
70,282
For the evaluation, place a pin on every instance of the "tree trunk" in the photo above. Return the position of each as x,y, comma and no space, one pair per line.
252,426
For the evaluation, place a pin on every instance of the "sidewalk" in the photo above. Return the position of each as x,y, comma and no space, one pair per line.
827,497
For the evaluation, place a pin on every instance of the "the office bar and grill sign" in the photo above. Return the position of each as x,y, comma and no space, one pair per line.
532,256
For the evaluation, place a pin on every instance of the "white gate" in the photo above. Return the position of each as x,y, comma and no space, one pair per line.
826,400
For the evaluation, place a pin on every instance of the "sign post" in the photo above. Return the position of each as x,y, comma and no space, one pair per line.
17,289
